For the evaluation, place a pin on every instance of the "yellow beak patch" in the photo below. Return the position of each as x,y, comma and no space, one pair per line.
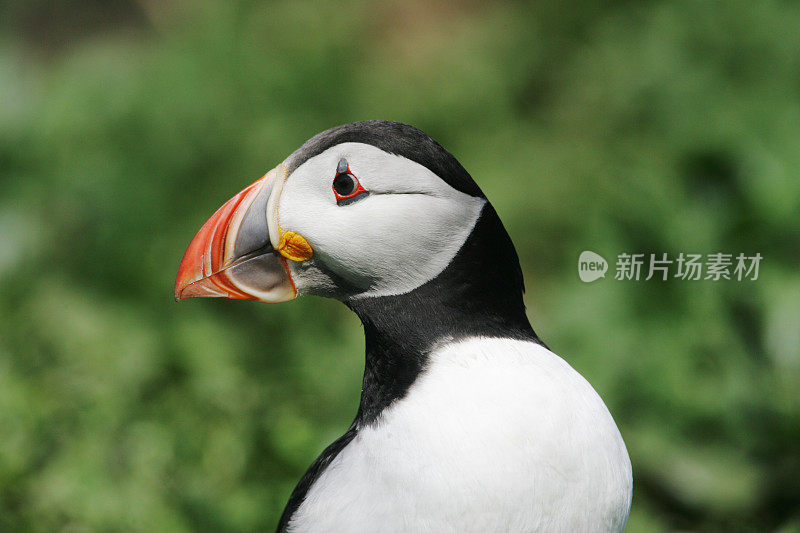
295,247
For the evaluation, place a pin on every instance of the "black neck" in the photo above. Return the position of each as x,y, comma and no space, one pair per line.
478,294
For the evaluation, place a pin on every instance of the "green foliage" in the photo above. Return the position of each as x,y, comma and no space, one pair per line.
643,127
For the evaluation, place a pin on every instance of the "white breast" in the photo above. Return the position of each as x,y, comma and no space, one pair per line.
496,435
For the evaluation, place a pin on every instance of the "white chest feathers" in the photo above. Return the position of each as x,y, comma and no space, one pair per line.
496,435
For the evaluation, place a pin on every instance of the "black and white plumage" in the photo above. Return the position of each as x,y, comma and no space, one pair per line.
467,422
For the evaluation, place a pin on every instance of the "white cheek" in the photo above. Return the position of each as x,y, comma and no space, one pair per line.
386,243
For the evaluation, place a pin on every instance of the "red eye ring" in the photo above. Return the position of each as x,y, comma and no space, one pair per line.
345,185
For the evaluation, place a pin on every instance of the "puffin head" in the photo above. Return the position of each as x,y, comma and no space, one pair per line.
369,209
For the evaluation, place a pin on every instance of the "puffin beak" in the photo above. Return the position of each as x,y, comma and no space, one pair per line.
232,255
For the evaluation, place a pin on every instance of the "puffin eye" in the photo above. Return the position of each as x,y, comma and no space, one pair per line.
346,187
344,184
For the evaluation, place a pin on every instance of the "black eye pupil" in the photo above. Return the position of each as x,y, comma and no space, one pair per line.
344,184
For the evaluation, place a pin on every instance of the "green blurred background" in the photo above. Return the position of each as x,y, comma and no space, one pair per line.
612,126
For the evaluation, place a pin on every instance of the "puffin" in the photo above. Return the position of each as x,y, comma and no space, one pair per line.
467,422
